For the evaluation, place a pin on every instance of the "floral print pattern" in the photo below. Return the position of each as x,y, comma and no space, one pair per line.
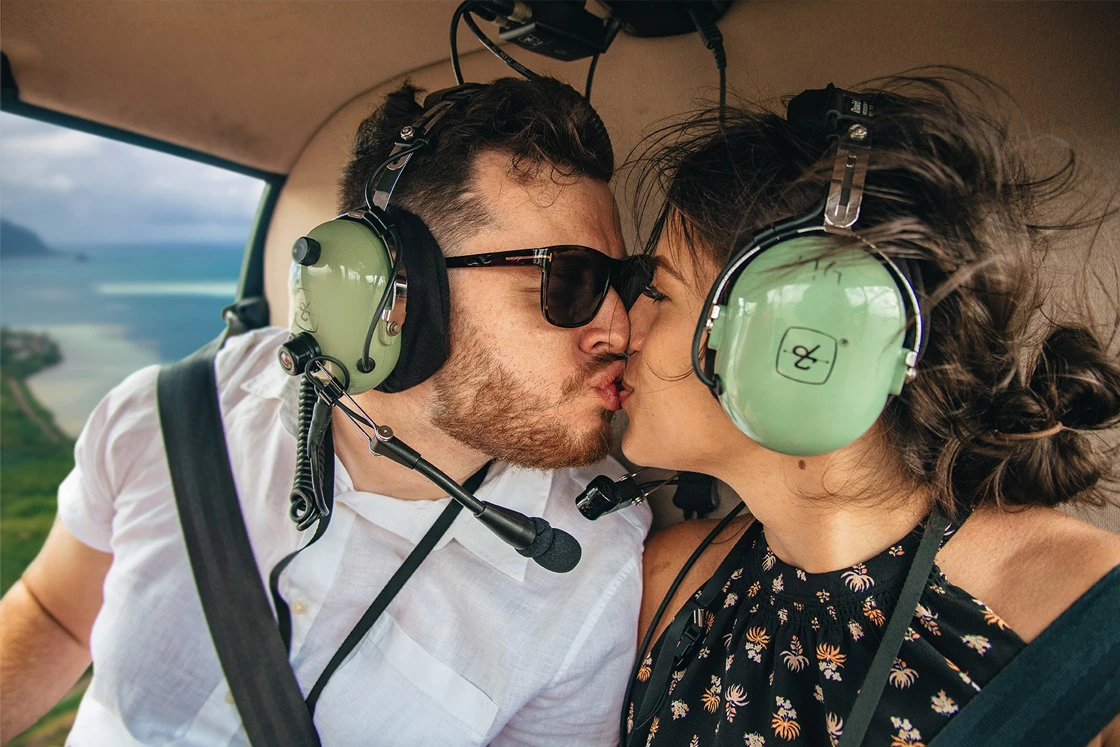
752,682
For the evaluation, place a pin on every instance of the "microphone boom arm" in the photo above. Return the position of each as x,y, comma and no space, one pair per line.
531,537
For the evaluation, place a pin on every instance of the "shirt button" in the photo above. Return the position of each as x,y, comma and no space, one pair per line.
299,607
229,697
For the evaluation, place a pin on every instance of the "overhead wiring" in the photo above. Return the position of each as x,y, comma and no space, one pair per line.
463,13
713,40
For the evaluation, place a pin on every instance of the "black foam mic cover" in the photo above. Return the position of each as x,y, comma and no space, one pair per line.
553,549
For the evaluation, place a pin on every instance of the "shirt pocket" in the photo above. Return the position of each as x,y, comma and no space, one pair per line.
395,685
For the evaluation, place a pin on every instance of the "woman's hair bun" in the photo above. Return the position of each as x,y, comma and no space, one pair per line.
1077,380
1036,452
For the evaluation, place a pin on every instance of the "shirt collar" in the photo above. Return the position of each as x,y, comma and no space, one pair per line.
512,487
273,383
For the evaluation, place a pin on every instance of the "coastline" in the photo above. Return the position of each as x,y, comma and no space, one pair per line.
95,358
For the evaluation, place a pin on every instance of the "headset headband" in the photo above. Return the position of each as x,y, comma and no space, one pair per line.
415,137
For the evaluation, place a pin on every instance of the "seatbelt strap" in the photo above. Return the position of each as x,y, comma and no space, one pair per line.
687,629
1063,688
871,690
252,655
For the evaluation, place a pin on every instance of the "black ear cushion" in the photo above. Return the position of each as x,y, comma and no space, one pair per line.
425,335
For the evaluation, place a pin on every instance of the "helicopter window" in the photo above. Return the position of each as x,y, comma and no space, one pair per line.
113,257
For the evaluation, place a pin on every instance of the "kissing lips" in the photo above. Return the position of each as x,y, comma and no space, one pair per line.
624,392
607,385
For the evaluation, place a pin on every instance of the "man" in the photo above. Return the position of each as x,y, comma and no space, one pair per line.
481,645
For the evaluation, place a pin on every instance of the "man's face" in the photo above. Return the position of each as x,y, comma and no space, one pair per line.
516,387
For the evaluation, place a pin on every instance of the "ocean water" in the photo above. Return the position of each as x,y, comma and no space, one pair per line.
117,310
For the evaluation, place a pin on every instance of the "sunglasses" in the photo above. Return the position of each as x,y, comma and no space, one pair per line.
575,279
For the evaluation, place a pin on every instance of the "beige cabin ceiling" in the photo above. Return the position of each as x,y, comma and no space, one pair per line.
247,80
253,80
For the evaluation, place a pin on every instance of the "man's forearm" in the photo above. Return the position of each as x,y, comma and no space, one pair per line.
39,661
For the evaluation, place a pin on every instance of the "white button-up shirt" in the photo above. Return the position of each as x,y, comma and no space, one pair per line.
481,645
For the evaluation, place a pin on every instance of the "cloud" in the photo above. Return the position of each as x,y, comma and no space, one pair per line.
73,188
57,142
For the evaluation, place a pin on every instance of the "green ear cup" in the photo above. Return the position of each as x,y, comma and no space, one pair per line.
336,297
808,350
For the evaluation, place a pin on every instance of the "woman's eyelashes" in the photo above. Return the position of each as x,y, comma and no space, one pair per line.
651,292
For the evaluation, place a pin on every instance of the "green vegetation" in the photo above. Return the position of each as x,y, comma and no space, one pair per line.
34,454
34,458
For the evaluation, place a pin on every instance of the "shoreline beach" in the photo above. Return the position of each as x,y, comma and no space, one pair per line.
95,358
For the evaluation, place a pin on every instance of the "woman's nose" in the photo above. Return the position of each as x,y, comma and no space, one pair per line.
641,319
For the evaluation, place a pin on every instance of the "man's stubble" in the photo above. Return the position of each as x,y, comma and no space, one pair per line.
480,402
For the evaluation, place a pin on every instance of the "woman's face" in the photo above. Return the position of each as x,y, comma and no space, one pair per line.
675,422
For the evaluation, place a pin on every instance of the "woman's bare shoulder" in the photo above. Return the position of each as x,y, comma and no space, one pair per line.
668,550
1029,565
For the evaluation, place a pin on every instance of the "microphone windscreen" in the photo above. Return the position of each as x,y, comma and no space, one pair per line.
562,554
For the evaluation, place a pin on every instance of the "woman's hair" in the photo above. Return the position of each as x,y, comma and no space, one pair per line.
948,186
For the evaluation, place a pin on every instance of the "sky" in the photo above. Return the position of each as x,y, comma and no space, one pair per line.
73,188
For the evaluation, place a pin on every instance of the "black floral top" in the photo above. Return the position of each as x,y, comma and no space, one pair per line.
784,653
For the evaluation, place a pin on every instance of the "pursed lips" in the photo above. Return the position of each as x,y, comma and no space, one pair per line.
607,384
624,391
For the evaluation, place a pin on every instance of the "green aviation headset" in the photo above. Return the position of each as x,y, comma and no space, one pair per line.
802,339
348,293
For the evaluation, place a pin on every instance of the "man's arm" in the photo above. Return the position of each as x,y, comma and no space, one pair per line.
45,622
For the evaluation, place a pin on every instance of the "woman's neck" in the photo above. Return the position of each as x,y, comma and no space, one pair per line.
812,515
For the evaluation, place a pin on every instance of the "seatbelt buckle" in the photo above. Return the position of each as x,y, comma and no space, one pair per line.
691,635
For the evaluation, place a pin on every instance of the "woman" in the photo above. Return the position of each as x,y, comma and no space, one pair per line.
881,395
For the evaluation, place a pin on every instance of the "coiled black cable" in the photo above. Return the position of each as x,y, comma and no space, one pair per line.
317,443
303,503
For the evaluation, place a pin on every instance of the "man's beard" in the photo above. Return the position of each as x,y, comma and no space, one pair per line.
482,404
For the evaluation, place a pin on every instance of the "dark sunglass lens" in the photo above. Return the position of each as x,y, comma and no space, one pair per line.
576,286
635,275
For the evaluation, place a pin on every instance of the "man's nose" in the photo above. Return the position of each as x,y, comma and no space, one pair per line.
609,331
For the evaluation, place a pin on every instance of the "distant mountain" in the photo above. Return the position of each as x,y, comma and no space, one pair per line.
17,241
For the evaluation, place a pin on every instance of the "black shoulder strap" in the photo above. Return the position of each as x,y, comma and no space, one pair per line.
1061,689
252,656
871,690
687,628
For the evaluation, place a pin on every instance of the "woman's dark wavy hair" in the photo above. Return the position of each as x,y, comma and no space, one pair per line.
947,185
546,127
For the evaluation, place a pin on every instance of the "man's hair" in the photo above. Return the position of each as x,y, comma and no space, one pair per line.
545,128
948,186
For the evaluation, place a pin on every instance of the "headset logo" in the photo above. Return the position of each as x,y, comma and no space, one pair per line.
304,317
806,355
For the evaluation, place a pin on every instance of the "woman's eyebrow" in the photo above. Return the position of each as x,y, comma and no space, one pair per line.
660,263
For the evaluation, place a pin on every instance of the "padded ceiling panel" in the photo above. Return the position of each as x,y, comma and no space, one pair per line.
249,80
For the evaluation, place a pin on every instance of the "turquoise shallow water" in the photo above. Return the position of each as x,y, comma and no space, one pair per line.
121,308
